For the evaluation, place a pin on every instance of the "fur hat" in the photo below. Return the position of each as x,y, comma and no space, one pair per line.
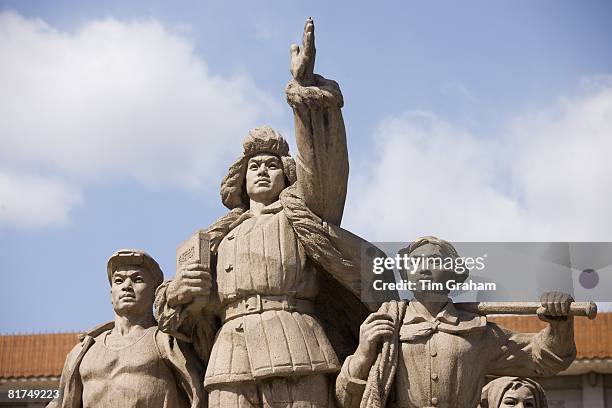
262,139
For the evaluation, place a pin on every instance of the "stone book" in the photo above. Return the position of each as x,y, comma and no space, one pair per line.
194,249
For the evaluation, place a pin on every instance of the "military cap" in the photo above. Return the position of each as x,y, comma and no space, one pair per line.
134,257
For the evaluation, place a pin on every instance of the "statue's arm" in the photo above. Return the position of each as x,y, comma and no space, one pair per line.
352,380
179,302
322,158
172,319
187,368
534,354
541,354
349,389
558,337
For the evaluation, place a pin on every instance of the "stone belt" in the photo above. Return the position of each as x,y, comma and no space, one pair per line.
257,304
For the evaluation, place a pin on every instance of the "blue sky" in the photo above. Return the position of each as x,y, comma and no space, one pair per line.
472,121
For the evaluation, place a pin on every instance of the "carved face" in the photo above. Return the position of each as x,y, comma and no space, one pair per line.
429,268
518,396
132,291
265,178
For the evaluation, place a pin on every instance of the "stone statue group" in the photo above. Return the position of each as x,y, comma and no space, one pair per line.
275,319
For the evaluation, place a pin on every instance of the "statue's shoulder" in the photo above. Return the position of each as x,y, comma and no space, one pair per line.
473,321
85,340
96,331
394,307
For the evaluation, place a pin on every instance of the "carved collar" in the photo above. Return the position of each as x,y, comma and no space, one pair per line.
415,313
273,208
448,320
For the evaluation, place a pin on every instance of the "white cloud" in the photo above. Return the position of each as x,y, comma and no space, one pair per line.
33,201
119,99
457,88
547,176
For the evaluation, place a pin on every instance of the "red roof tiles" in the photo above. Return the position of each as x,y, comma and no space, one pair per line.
34,355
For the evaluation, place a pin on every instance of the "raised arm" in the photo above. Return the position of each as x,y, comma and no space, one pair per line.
322,159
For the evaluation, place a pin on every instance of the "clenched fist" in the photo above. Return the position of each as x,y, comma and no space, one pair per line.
555,306
191,281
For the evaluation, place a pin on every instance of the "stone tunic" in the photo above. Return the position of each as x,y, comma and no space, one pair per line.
262,256
131,376
443,363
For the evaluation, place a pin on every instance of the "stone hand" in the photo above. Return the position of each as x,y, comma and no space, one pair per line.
374,329
191,281
555,306
303,59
